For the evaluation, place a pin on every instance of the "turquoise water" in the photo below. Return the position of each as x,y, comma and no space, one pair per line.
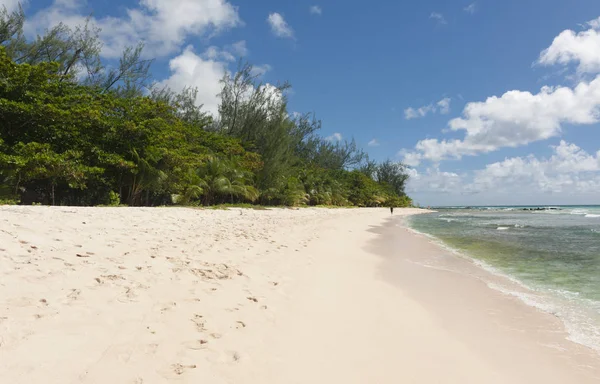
553,251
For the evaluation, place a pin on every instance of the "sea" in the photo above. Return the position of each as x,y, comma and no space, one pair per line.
551,252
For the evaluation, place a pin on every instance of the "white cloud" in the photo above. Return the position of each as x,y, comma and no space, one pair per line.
163,25
214,53
438,17
335,137
11,5
433,181
412,113
373,143
202,71
442,106
279,26
239,49
595,24
569,170
316,10
569,175
260,70
514,119
273,94
582,48
471,8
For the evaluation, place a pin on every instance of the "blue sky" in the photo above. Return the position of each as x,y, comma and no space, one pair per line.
412,80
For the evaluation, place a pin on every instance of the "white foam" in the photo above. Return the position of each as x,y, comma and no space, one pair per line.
592,215
502,228
580,327
578,211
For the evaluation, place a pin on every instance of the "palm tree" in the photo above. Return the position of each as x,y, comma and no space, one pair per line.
145,178
219,178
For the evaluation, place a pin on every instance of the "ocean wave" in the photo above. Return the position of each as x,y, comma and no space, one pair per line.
578,211
590,215
578,324
447,220
502,228
577,314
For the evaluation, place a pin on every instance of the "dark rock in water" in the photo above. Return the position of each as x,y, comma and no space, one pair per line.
542,209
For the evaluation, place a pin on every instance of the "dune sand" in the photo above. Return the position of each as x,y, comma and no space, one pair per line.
142,295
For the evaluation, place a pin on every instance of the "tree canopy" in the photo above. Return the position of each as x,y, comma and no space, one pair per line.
76,132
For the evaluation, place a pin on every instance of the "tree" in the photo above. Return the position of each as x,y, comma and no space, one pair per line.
219,179
35,161
392,174
75,131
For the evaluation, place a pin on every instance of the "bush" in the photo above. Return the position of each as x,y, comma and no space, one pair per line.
114,199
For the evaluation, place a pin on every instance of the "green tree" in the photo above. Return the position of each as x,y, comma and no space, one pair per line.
220,179
392,174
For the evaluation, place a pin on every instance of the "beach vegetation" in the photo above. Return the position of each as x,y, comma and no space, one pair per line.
75,131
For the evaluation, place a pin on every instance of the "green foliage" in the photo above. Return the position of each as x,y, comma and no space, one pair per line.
114,200
75,132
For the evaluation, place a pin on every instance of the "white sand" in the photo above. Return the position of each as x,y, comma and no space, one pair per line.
141,295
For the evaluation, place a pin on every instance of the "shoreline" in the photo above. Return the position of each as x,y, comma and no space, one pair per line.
143,295
451,285
579,322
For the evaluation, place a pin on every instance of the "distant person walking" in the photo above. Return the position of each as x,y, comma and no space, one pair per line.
392,210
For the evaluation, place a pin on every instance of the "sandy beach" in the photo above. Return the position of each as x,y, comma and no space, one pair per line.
164,295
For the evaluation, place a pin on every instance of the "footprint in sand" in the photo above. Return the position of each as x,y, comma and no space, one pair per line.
166,307
128,296
74,295
176,370
196,344
235,356
200,322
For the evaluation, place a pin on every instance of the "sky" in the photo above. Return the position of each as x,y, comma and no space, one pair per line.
488,102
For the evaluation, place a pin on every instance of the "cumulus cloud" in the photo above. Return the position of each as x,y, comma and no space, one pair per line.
163,25
569,173
316,10
433,181
203,71
513,119
279,26
373,143
334,137
442,106
569,47
569,170
441,20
